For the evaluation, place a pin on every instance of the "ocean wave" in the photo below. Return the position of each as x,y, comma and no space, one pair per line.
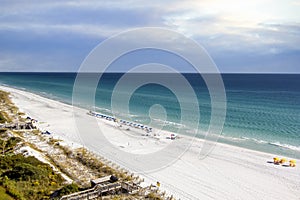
233,138
103,109
255,140
15,87
263,142
170,123
262,91
3,84
132,117
277,144
287,146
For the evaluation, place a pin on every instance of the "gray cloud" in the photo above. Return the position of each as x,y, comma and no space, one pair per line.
221,33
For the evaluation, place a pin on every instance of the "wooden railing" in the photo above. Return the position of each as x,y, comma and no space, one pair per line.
99,189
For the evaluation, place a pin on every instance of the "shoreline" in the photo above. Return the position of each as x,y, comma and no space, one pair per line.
270,147
220,165
166,132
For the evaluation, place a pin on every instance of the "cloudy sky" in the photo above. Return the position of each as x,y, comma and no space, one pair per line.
240,36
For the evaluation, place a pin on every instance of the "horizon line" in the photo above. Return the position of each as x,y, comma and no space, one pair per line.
151,72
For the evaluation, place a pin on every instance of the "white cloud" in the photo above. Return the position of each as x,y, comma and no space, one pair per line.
237,28
92,30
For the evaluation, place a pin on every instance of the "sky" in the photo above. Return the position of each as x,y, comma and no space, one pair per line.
259,36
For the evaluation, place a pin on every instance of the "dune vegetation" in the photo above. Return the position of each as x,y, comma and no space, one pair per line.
24,177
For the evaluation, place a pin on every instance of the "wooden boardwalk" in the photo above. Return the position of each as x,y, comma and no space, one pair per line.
98,190
18,126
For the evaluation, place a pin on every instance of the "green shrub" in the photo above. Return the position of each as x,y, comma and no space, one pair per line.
10,162
153,196
12,191
27,177
2,118
25,172
4,195
68,189
7,146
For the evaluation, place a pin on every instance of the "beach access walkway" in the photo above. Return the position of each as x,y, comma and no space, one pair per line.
27,125
98,190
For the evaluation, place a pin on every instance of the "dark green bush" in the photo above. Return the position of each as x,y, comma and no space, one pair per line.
68,189
7,146
12,191
26,172
2,118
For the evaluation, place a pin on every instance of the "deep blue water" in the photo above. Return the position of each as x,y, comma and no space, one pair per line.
263,110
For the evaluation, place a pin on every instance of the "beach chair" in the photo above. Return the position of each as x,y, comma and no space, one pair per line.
292,163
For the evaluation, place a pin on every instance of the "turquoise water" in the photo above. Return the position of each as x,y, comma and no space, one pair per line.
263,110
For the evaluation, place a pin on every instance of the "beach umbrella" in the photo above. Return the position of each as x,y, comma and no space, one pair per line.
276,160
282,160
293,163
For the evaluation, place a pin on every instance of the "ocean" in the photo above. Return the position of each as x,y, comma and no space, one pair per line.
263,110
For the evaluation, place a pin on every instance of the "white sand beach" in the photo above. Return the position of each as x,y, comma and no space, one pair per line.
227,173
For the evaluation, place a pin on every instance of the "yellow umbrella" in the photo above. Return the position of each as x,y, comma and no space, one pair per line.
292,163
276,160
282,160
